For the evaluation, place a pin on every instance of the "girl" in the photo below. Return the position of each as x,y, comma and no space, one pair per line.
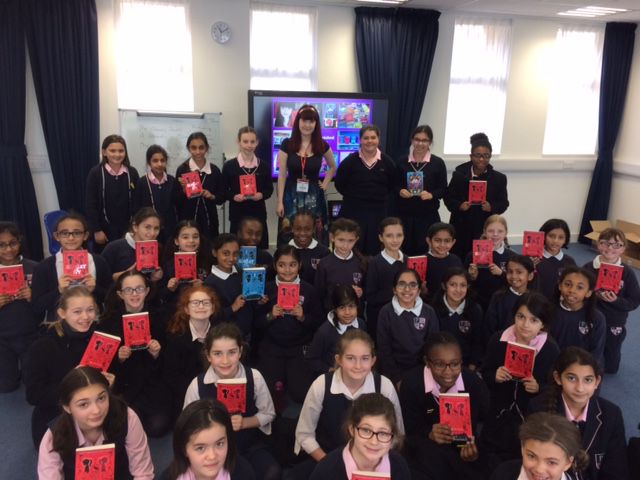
615,306
110,191
250,234
342,318
550,449
459,315
510,396
310,250
18,324
93,416
139,370
430,443
158,190
202,209
246,164
52,356
285,334
121,254
441,237
204,445
186,333
491,279
576,320
373,432
418,207
223,348
556,237
404,324
382,269
365,179
468,219
573,394
49,279
330,396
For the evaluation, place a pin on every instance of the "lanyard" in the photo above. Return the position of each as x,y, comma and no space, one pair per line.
303,159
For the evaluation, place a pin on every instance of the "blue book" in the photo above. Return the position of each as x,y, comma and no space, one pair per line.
253,282
415,182
247,257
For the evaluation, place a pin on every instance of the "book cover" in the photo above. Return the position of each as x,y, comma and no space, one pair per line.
362,475
288,295
100,351
519,360
419,264
193,184
232,393
482,252
137,330
247,257
185,264
248,185
147,256
610,277
415,182
477,191
455,411
533,244
75,263
253,282
96,463
11,279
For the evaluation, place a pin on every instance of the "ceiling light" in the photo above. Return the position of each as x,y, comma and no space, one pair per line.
592,11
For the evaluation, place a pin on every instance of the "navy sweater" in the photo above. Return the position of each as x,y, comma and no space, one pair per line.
466,327
571,328
548,273
436,268
360,185
231,172
486,284
321,353
380,275
332,466
228,290
434,181
17,318
162,198
119,255
333,271
499,314
310,257
616,313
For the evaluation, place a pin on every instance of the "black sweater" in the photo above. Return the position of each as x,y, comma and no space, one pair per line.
119,255
336,271
486,284
380,275
434,181
321,353
573,329
162,198
499,314
360,185
466,327
548,273
228,290
332,466
436,268
231,172
310,257
17,318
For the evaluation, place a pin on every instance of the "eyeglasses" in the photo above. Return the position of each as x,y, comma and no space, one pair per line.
604,243
200,303
68,234
484,156
131,290
11,244
367,433
442,365
421,140
407,285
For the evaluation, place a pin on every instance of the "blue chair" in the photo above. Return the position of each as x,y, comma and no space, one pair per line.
50,220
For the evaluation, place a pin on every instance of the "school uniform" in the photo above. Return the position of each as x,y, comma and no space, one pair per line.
167,298
162,196
436,268
548,272
334,466
401,336
512,470
241,471
334,270
486,284
573,328
310,258
616,313
381,271
499,314
120,254
265,259
228,286
465,323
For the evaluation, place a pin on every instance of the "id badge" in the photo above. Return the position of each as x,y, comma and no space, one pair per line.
302,186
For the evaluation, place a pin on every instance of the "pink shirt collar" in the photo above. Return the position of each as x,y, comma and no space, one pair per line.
509,335
370,163
153,179
251,163
580,418
350,464
426,159
189,475
111,171
432,387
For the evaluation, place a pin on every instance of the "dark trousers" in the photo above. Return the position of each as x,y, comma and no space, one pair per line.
13,351
613,346
415,233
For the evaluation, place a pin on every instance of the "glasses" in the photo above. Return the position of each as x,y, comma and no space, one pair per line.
12,244
131,290
407,285
367,433
68,234
484,156
420,140
616,245
442,365
200,303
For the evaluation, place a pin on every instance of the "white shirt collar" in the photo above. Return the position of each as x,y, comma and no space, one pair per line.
278,281
194,167
338,386
390,259
416,310
194,334
514,292
348,257
499,250
341,327
559,256
430,252
211,376
130,241
459,310
312,245
223,275
597,262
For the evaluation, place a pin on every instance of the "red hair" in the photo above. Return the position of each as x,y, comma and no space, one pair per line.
179,323
307,112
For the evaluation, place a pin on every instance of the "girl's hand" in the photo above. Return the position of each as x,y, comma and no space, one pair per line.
6,299
280,210
536,261
469,452
473,271
63,283
495,270
182,182
472,367
263,299
323,186
277,311
531,385
89,282
172,284
358,291
100,238
156,275
503,375
486,206
208,195
23,294
124,353
607,295
196,283
424,195
236,422
441,434
238,303
464,206
404,193
256,197
298,313
238,197
154,348
111,378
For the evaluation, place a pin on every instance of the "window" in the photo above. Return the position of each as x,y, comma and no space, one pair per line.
574,93
283,47
478,84
153,55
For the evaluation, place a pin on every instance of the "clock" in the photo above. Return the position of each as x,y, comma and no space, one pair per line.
221,32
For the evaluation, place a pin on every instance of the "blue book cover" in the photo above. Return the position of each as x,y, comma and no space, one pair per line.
253,282
247,257
415,182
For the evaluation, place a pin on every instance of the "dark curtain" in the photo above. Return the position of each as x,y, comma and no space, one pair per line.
395,49
616,65
63,47
17,196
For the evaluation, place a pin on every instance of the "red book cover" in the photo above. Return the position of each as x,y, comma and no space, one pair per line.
288,295
75,263
147,256
193,184
519,360
610,277
248,185
11,279
185,264
477,191
96,463
482,252
137,330
232,393
455,411
533,244
419,264
100,351
361,475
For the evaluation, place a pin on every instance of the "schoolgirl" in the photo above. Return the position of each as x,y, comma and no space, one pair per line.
441,237
250,233
311,251
556,238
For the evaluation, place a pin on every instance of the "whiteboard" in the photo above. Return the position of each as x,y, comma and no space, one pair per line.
169,130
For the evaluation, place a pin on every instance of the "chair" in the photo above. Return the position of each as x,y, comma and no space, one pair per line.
50,220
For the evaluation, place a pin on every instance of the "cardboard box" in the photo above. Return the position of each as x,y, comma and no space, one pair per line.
631,231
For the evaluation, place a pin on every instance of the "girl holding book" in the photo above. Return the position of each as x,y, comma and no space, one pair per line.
92,417
554,260
224,348
310,249
373,432
441,237
250,233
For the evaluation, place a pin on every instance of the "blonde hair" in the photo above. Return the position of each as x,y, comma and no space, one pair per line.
495,218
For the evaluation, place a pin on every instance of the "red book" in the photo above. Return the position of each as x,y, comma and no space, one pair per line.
75,263
519,360
193,184
147,256
185,264
455,411
361,475
477,191
137,330
248,185
482,252
419,264
288,295
100,351
96,463
610,277
11,279
533,244
232,393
